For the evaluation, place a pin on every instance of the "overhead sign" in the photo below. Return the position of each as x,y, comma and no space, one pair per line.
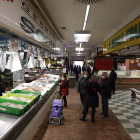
126,37
24,21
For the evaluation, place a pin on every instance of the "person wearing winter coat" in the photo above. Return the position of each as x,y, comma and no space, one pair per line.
64,89
75,69
105,93
82,89
79,69
92,99
89,70
112,79
77,73
71,68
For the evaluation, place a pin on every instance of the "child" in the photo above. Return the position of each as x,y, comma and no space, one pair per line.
64,88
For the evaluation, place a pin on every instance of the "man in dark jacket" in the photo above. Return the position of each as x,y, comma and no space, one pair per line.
105,93
82,89
71,68
112,79
89,70
75,69
79,69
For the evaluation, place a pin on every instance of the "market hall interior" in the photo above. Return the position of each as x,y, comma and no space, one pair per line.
70,69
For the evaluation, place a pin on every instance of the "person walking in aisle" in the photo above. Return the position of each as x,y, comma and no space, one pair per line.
84,68
112,79
71,68
79,69
64,88
82,89
75,69
92,99
77,72
105,93
89,70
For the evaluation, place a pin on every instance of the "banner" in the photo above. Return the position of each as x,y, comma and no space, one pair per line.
21,19
126,37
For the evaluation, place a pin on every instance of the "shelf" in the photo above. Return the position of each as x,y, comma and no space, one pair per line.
56,65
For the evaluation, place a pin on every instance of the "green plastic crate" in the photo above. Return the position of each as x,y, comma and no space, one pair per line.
18,95
12,110
27,92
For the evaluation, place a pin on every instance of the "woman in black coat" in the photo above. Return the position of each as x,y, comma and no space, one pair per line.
92,99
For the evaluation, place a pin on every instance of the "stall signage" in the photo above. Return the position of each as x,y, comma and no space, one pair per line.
126,37
23,20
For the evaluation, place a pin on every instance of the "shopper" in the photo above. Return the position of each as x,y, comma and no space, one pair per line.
77,73
96,77
89,70
92,99
64,88
82,89
75,69
105,93
79,69
112,79
71,68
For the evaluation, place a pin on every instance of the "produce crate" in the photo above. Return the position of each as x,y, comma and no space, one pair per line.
27,92
18,95
12,110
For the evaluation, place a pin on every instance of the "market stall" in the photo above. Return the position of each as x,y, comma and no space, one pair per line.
17,124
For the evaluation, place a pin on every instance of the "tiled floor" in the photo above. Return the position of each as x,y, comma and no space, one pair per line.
74,129
127,111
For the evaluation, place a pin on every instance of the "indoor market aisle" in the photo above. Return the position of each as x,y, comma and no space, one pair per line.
74,129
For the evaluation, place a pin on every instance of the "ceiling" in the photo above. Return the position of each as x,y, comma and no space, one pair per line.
103,18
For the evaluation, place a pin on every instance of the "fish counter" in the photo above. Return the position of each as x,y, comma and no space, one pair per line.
23,109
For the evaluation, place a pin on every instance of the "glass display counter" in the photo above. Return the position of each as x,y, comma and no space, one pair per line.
125,77
14,127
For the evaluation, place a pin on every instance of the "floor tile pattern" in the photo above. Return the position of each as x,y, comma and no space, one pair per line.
74,129
127,110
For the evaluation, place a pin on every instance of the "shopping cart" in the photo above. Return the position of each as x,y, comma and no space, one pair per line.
56,111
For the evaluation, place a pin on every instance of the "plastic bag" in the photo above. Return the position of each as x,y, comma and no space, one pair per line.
31,62
2,60
16,65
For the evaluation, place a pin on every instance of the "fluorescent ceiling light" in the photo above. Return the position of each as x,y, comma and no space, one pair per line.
78,53
86,17
84,26
82,37
87,12
79,49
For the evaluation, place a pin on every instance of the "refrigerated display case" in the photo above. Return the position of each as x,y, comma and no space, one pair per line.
24,127
125,77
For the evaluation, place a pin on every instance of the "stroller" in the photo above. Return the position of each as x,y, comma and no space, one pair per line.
56,111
